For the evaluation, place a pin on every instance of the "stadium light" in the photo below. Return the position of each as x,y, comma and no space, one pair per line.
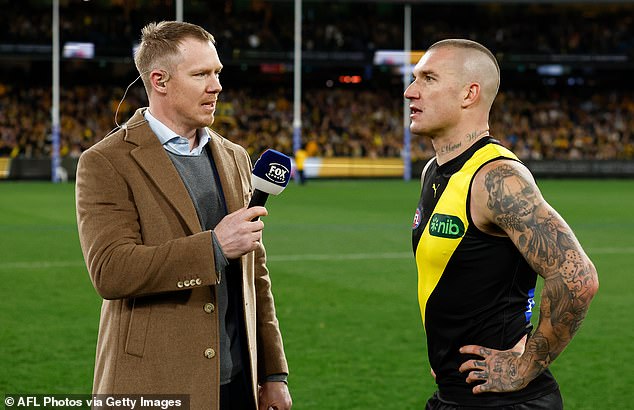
350,79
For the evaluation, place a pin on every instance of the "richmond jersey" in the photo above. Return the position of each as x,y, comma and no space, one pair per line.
473,288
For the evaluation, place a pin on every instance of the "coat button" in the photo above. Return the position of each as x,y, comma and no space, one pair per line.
210,353
199,282
179,284
209,307
186,283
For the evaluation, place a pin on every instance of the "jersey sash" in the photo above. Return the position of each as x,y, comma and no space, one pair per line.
446,227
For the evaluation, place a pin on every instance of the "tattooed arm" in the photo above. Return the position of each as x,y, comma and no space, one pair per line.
506,201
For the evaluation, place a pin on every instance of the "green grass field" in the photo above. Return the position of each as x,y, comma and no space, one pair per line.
344,279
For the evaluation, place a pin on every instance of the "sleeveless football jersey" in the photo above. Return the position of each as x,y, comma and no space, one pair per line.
473,288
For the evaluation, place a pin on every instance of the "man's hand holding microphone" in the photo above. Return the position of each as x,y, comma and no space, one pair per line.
241,231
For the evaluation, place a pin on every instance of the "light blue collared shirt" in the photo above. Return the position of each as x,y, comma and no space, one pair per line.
173,142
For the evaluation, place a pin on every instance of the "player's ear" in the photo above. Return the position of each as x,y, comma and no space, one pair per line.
470,95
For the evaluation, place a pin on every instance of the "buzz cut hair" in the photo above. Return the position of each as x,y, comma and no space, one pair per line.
472,45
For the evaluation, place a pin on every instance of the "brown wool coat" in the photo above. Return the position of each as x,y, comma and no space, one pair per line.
154,267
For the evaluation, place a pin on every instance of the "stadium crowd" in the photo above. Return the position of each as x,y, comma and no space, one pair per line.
336,26
548,124
335,122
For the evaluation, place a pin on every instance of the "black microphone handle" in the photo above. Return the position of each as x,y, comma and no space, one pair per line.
258,199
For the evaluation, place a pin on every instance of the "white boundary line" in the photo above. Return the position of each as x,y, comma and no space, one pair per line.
339,256
41,265
284,258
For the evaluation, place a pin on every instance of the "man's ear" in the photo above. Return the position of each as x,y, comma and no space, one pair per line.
471,94
158,78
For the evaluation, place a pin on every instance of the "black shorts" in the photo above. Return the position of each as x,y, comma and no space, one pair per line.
551,401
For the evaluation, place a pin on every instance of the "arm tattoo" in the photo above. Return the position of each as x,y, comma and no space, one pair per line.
549,246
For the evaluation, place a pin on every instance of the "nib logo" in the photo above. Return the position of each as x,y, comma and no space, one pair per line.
446,226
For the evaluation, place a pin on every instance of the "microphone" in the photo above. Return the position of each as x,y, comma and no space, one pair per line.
270,175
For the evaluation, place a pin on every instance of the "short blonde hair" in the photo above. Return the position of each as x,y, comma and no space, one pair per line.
159,45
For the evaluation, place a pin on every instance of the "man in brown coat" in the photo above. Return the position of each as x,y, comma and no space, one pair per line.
171,247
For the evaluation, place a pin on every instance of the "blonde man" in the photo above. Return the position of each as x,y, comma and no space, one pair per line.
170,246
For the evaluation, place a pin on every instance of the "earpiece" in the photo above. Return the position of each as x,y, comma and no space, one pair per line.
161,81
125,125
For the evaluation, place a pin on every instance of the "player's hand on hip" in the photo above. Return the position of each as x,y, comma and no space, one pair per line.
500,370
237,234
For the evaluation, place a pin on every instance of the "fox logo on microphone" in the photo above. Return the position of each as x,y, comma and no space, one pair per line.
277,173
271,172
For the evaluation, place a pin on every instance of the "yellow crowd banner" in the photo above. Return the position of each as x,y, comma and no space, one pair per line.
5,167
353,167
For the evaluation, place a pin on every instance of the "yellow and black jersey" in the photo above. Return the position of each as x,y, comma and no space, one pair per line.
473,288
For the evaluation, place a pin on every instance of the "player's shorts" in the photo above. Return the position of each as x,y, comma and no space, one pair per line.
551,401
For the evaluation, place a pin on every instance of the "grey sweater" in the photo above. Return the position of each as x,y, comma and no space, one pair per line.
200,178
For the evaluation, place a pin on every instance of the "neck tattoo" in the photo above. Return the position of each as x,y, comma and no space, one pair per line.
476,135
471,137
449,148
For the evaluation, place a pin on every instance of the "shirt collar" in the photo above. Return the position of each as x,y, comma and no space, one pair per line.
173,142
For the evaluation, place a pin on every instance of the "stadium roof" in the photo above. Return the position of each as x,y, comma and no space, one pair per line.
478,1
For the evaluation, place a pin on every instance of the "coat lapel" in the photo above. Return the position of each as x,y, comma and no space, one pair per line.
152,158
233,177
